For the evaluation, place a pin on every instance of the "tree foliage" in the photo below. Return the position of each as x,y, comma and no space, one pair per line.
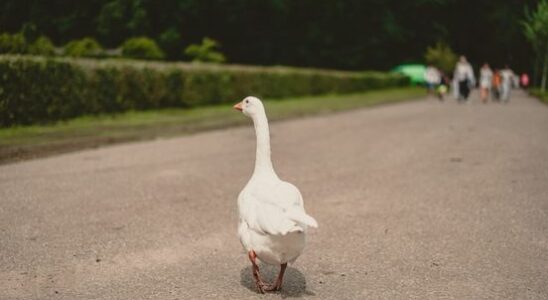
441,56
347,34
170,42
120,19
205,52
535,28
12,43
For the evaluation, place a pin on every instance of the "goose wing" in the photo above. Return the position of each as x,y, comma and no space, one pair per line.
277,210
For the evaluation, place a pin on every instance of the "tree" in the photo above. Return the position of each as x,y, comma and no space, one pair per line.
143,48
170,42
535,28
30,32
441,56
346,34
111,23
119,19
205,52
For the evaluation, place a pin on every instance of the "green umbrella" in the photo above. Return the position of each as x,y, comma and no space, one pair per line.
415,72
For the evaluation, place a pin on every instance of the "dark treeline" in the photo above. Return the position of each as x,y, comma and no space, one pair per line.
343,34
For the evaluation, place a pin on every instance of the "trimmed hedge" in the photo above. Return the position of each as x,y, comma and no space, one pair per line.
41,90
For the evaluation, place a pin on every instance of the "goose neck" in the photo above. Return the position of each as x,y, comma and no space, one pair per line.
263,161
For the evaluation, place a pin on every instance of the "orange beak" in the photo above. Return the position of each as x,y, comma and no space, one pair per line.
238,106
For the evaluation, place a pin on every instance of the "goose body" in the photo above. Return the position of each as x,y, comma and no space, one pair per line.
270,222
273,222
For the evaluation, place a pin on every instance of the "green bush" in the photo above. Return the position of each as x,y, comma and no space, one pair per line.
42,46
142,48
39,90
13,43
19,44
86,47
205,52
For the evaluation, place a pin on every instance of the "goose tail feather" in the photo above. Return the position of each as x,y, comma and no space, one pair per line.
303,218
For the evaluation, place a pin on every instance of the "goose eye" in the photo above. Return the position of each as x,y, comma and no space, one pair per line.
247,101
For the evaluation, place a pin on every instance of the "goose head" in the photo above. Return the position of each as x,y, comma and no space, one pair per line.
250,106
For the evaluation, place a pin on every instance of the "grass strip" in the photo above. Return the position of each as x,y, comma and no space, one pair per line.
543,97
18,143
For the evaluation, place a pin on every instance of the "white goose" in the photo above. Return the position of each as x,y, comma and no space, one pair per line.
273,221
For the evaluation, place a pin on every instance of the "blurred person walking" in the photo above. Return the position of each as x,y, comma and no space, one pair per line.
495,88
486,78
524,80
507,80
432,78
464,76
443,86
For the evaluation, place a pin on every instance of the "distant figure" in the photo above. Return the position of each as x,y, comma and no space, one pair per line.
432,77
443,86
524,79
515,81
495,89
464,76
507,80
486,77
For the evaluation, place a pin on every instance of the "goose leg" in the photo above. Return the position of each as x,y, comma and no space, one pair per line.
279,281
260,284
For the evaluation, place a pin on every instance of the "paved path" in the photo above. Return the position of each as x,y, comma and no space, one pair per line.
416,200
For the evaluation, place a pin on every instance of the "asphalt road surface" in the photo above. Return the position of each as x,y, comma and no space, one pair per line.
420,200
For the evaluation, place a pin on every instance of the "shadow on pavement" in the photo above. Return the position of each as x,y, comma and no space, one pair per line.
294,282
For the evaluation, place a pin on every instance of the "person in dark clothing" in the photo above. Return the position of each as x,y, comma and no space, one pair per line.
464,75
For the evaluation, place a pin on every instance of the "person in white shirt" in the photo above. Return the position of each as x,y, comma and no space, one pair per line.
432,78
464,77
486,77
